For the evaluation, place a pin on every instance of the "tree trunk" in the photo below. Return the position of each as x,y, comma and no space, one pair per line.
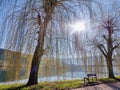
110,52
110,68
39,51
33,78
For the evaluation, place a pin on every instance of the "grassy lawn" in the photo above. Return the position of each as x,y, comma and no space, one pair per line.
61,85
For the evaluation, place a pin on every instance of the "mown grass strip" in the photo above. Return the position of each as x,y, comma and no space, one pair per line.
60,85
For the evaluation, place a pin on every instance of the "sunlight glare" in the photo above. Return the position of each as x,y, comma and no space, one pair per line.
77,27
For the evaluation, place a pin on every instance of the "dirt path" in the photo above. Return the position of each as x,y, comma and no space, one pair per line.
108,86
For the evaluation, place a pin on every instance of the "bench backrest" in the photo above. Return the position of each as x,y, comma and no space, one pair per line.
91,75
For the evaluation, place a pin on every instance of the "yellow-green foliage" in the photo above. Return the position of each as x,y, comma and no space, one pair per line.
13,64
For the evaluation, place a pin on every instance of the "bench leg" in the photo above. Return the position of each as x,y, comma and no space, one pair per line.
86,81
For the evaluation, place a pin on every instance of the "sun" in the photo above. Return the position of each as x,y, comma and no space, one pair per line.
77,27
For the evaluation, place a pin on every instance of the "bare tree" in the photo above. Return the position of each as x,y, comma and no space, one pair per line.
32,24
107,40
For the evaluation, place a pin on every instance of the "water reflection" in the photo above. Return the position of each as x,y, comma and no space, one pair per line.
3,74
8,75
15,67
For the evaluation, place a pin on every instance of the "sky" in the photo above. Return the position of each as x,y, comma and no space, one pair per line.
6,7
76,26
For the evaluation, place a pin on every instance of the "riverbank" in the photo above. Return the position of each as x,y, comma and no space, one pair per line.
61,85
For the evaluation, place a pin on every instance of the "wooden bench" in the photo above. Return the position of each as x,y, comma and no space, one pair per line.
90,79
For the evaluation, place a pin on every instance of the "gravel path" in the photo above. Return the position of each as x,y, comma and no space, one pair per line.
102,86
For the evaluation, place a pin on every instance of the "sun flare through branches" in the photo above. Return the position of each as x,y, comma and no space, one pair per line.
77,27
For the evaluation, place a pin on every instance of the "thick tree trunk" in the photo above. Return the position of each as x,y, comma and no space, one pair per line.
33,78
110,68
110,52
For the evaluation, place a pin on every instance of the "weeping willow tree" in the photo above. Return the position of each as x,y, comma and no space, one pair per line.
107,40
31,25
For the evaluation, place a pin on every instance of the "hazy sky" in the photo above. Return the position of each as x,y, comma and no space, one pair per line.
77,26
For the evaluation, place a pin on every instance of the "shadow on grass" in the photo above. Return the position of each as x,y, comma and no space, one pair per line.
117,79
17,88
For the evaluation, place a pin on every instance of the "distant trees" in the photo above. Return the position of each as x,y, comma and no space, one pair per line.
107,40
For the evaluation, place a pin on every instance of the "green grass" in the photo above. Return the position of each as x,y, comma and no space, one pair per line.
107,80
60,85
7,86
